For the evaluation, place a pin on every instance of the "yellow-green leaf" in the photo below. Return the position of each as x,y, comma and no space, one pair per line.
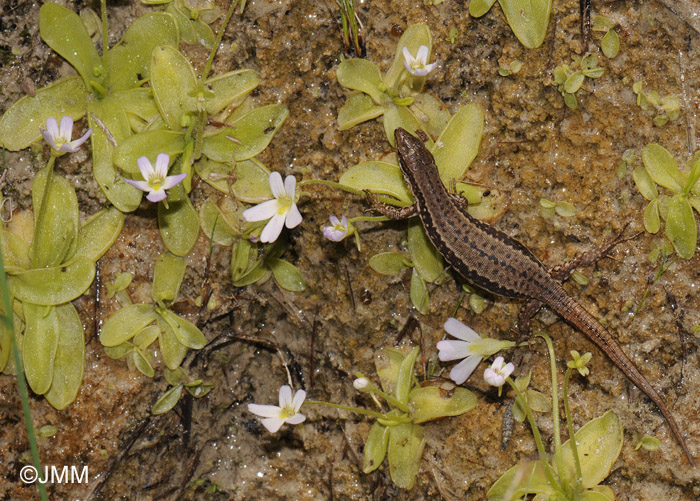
126,323
54,285
70,358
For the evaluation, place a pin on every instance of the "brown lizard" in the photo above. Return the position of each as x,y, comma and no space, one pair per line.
497,263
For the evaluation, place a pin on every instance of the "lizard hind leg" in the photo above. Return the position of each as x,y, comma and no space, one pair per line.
565,270
389,210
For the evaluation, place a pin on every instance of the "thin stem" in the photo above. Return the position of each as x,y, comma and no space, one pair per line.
570,426
555,394
357,410
368,218
217,42
21,383
551,478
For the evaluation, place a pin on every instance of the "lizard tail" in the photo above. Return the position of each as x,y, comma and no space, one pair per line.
576,315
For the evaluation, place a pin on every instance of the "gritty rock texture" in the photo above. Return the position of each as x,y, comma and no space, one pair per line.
533,147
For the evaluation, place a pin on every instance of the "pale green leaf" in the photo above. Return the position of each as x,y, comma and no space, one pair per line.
357,109
644,183
69,362
178,223
652,222
53,285
599,443
141,362
388,263
167,401
432,402
681,227
400,116
20,124
230,89
528,19
172,351
40,344
247,136
56,227
168,273
425,257
147,144
431,112
64,31
109,113
662,167
99,233
406,443
375,447
610,44
574,82
362,75
478,8
174,83
252,182
379,177
186,332
215,225
126,323
419,293
521,479
130,60
286,275
458,144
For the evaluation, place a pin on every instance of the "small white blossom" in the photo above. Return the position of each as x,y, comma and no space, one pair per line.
156,180
281,210
360,383
339,229
472,349
418,65
498,372
59,138
287,412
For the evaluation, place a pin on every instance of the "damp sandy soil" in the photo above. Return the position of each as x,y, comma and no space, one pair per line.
533,147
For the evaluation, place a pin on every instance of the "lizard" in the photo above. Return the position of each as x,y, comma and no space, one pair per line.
497,263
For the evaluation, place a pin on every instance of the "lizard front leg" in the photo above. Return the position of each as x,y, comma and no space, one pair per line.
389,210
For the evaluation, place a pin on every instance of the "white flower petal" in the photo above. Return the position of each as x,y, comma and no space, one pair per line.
335,221
145,167
141,185
174,180
52,126
457,329
293,218
266,411
285,396
296,419
262,211
273,424
66,130
276,185
461,372
272,229
156,195
161,168
422,55
507,370
290,185
453,350
408,58
48,137
493,378
298,400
